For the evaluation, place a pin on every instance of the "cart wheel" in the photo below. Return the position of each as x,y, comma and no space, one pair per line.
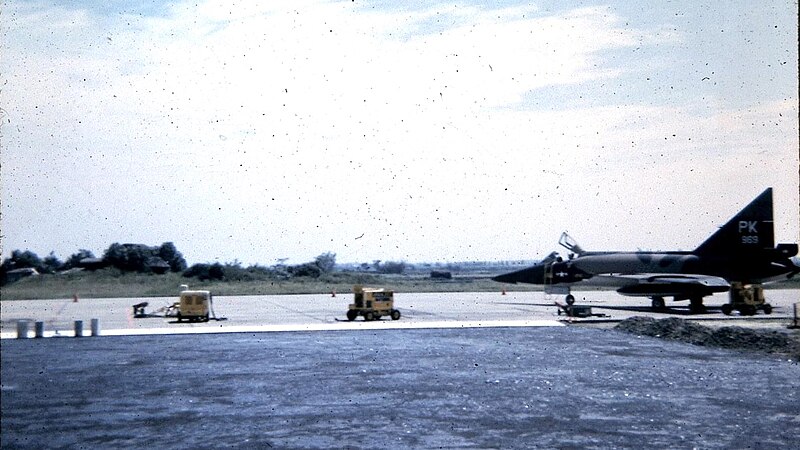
748,310
570,299
395,314
727,309
369,316
351,315
767,308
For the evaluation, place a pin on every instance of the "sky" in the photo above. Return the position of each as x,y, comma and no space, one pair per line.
403,131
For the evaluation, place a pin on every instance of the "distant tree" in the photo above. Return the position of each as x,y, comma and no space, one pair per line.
305,270
169,253
142,258
128,257
326,262
199,271
75,259
260,272
51,263
392,267
24,259
205,272
216,272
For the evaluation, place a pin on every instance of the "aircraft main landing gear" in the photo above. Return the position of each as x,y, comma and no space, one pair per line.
696,305
658,304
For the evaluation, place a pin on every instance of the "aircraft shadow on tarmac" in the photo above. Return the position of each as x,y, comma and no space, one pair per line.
673,311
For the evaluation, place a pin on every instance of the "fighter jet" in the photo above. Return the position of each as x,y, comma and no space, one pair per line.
740,255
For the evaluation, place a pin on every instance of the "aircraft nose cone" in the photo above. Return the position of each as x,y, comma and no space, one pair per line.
533,275
504,278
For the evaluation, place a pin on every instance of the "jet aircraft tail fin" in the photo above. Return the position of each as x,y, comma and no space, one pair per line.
749,231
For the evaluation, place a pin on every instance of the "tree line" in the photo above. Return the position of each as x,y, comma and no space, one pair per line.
125,257
161,259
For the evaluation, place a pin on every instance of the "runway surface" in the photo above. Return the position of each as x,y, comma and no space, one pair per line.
324,312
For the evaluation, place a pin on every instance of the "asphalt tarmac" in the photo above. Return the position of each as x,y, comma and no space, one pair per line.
367,385
561,387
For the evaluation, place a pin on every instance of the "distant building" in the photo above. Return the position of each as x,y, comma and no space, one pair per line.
91,263
157,265
441,274
18,274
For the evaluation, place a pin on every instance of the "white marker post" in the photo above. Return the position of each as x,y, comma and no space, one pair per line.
95,327
22,329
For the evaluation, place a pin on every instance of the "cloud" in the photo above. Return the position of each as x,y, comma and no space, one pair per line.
258,132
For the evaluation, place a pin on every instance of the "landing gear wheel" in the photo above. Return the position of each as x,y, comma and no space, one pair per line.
351,315
658,304
727,309
395,314
570,299
767,308
696,306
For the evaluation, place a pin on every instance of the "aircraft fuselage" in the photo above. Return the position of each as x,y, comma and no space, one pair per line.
660,270
742,252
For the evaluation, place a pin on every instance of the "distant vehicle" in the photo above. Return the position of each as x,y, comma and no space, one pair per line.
739,257
441,275
372,304
747,300
193,306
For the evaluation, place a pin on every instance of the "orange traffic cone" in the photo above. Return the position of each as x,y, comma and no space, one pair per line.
74,298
